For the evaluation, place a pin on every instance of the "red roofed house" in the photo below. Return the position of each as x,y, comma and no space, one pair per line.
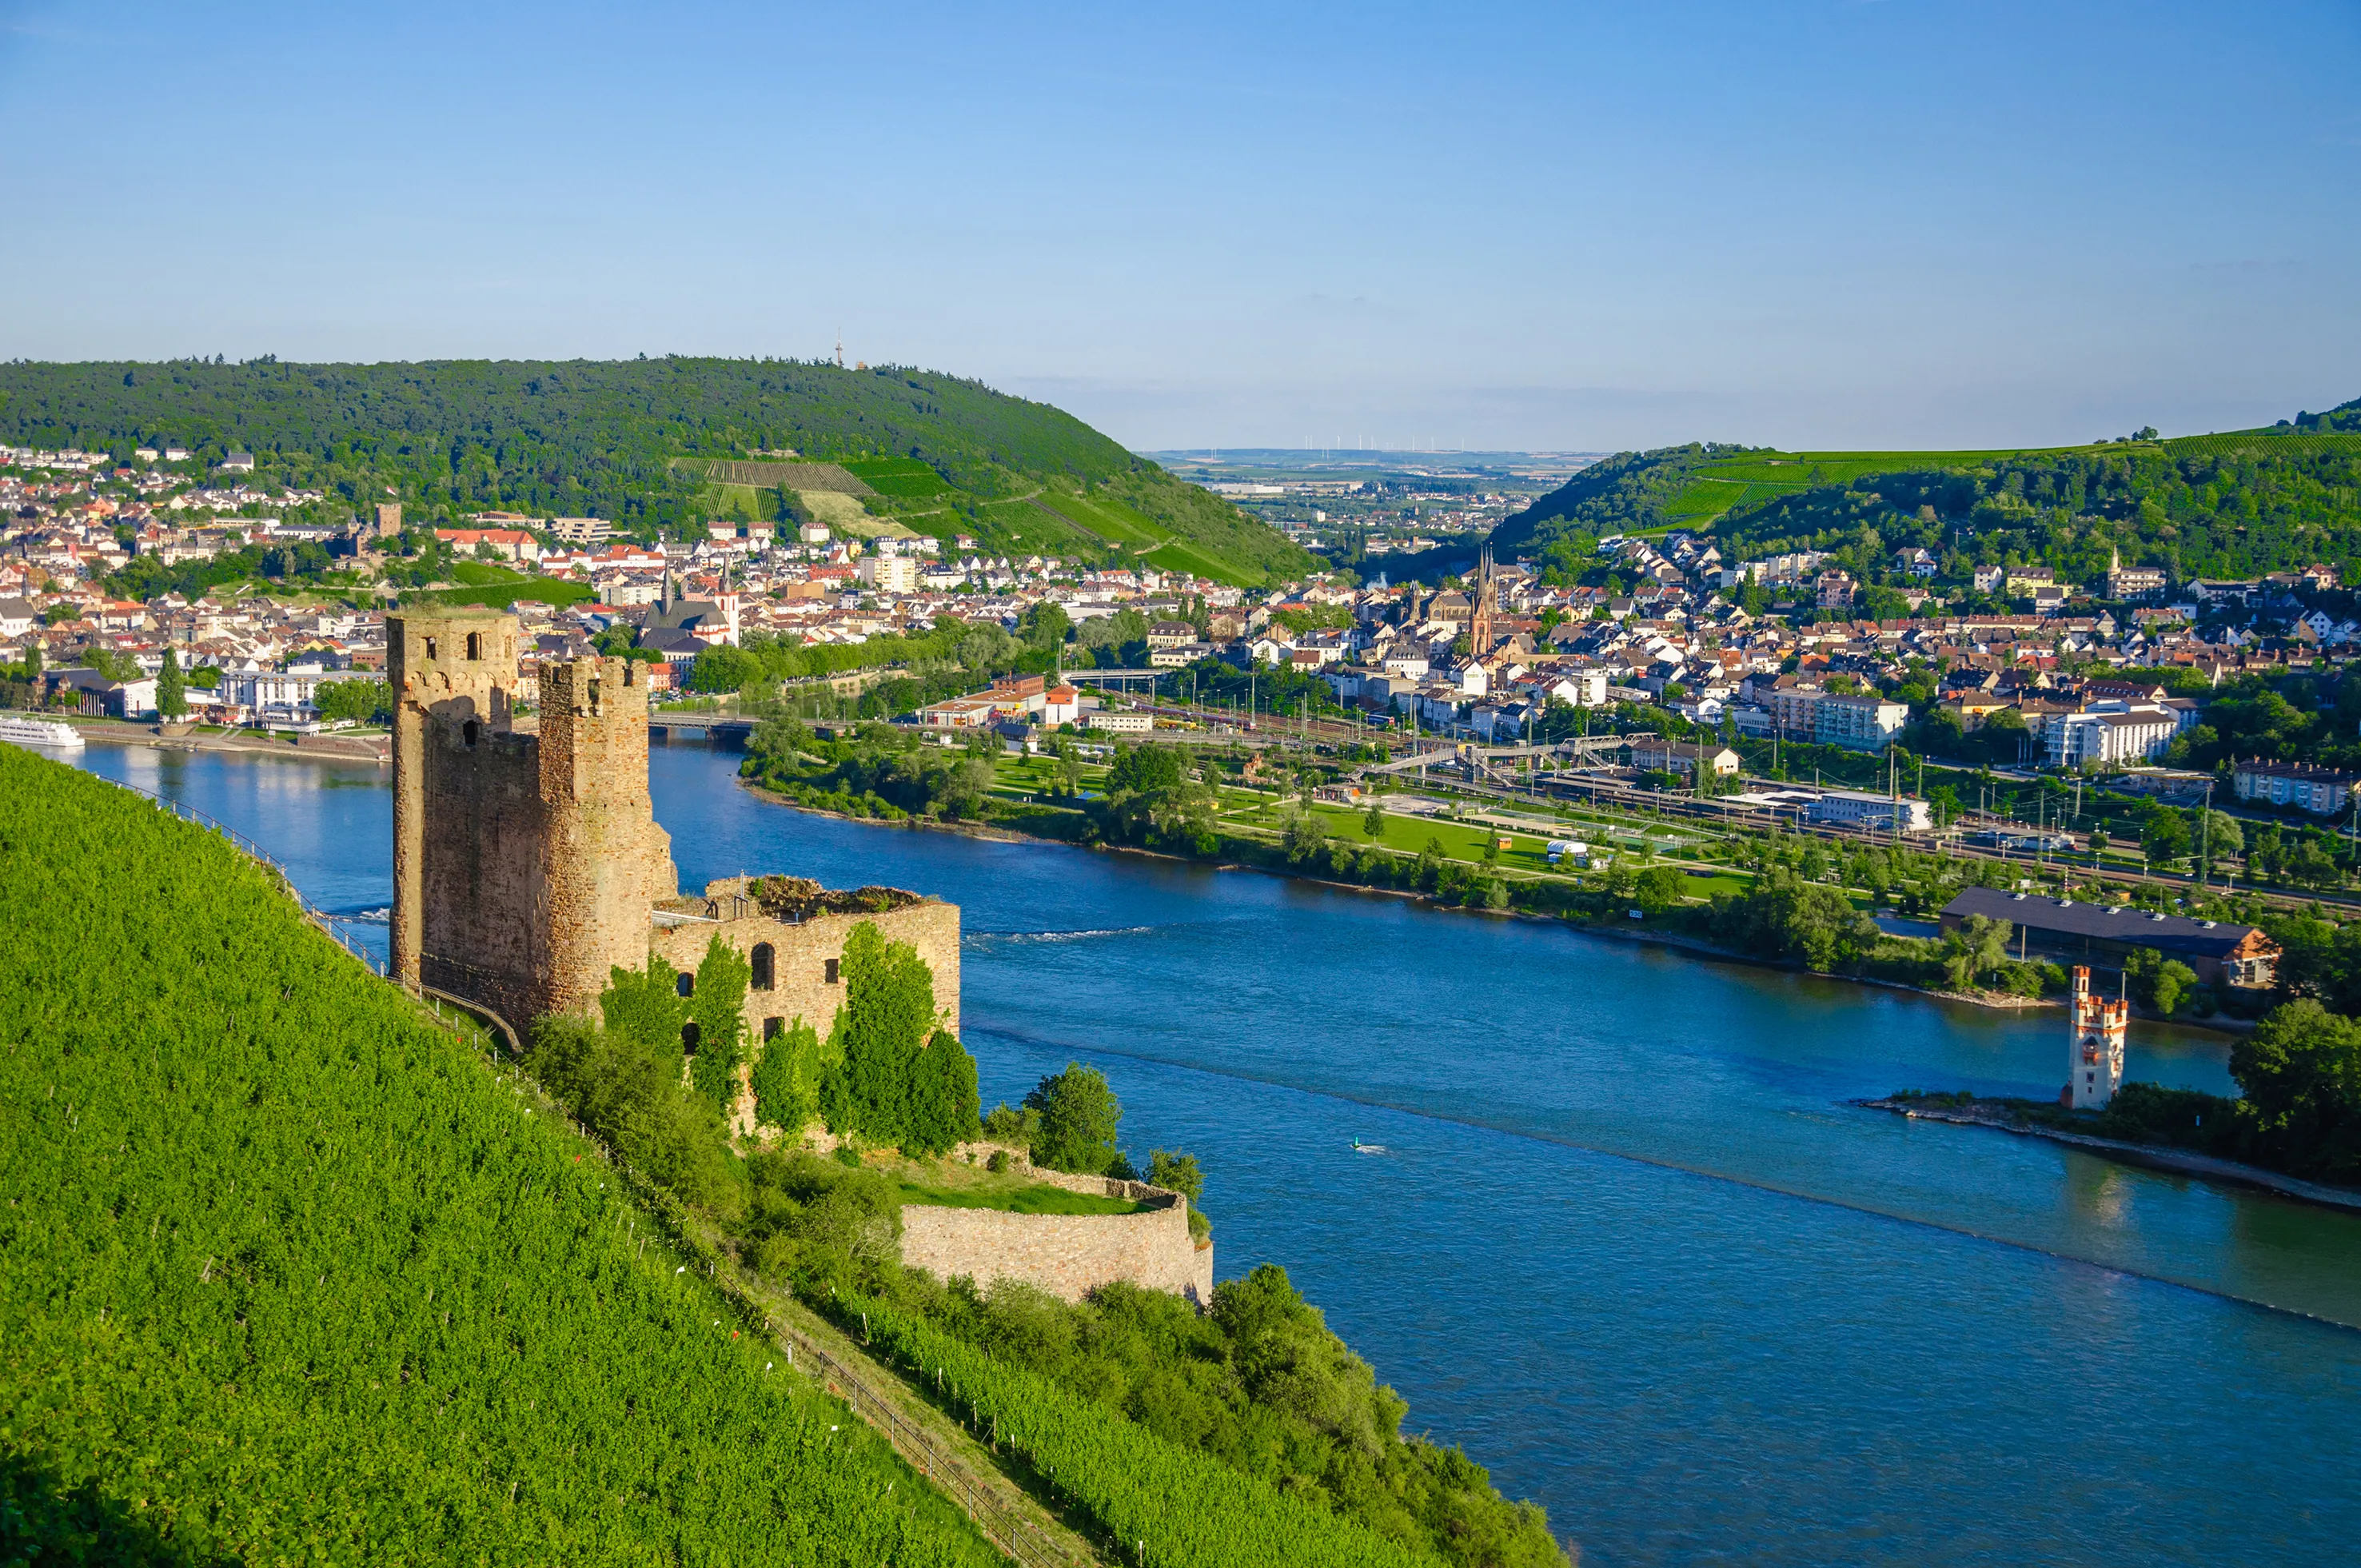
511,544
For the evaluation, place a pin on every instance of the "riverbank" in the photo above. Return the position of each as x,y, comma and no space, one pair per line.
2001,1116
1642,933
363,748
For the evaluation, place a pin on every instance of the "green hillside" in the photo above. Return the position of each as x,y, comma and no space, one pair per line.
2235,504
603,439
288,1273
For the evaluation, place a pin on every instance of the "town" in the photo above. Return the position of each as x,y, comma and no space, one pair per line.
2115,677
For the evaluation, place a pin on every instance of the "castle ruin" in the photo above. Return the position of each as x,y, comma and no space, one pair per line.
527,860
527,865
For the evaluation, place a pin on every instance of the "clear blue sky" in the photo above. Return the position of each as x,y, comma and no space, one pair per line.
1559,226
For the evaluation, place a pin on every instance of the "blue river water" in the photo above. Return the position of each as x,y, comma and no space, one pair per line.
1625,1241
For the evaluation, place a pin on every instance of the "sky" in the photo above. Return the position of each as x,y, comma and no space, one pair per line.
1556,227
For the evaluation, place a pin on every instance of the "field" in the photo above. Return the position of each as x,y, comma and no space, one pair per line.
771,476
1026,527
290,1271
902,477
2307,445
846,515
1110,519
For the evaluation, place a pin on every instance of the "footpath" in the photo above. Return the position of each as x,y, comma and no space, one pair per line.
364,746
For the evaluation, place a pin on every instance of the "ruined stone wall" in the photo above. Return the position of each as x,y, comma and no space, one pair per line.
481,884
800,957
1066,1254
801,954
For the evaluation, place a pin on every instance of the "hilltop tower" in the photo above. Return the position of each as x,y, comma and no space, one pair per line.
2094,1062
524,864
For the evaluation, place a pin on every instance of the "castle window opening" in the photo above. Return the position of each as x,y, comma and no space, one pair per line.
469,730
475,646
763,966
594,693
630,676
832,965
771,1028
688,1036
684,982
430,650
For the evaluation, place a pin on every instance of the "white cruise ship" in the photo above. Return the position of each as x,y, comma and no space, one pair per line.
48,734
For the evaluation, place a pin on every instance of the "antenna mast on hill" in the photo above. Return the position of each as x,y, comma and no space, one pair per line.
839,349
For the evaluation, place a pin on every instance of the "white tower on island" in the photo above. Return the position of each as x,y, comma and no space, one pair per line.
2094,1066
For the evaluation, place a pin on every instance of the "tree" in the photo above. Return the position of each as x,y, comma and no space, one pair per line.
2164,837
787,1077
1080,1116
1430,863
2300,1075
721,668
1176,1172
716,1007
1657,889
361,701
888,1013
944,1100
1373,821
1304,836
644,1006
172,690
2173,982
1151,799
2223,836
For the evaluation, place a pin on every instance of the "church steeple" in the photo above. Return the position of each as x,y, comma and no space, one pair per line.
1479,630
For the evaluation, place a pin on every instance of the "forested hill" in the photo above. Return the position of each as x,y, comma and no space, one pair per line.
623,439
2235,505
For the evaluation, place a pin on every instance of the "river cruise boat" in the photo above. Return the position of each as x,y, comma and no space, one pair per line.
49,734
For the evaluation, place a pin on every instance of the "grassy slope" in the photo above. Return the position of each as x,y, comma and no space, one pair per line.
286,1272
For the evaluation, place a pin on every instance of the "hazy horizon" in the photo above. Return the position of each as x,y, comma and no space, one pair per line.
1550,230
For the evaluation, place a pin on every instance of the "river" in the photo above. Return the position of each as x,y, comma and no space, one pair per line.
1625,1241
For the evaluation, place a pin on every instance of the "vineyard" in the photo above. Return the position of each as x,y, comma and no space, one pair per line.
1169,1504
904,478
290,1271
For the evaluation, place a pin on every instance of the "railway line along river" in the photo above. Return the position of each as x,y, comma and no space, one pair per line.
1625,1241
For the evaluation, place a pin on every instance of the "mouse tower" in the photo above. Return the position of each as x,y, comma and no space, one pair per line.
2095,1061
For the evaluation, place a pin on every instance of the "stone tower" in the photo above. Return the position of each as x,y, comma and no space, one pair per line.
604,860
525,865
2095,1063
1480,637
